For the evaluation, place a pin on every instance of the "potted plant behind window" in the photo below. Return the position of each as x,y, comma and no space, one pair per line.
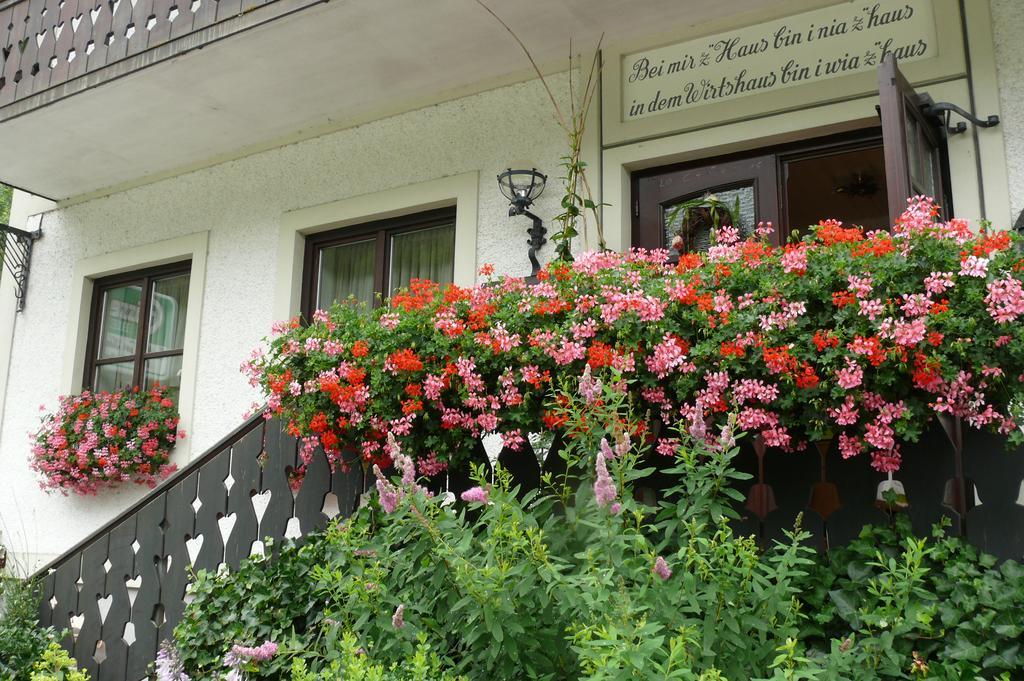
697,219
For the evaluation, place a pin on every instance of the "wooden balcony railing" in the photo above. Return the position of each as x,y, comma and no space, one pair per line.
122,589
45,44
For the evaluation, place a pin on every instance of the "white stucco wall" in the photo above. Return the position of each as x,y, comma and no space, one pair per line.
240,204
1007,29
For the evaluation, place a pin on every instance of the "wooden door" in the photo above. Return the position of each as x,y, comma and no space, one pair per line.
753,182
916,157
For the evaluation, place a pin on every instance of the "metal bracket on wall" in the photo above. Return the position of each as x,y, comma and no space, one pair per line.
17,253
944,110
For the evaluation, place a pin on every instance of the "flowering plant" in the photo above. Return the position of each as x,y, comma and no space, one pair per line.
860,336
101,439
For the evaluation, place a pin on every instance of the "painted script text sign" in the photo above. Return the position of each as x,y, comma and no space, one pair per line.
803,48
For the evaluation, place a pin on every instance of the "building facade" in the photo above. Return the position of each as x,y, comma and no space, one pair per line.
188,198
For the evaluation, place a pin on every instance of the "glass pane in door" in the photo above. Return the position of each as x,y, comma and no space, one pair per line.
423,254
696,224
346,271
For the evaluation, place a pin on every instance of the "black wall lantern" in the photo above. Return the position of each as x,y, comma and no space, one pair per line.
521,188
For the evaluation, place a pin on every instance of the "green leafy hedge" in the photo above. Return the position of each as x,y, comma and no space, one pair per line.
578,580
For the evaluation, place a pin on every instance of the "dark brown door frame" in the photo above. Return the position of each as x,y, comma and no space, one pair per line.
654,192
865,138
654,189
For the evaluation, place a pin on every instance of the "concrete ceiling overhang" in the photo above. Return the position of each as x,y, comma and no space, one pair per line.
324,67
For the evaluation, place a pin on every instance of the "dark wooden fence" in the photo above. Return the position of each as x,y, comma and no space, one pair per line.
123,588
979,489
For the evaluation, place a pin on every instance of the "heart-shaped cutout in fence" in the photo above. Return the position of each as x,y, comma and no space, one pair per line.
104,603
76,623
227,524
194,546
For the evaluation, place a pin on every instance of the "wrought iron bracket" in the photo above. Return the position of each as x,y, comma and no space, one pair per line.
17,254
944,110
535,242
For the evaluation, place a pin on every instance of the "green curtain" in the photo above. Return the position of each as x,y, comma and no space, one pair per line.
423,254
346,270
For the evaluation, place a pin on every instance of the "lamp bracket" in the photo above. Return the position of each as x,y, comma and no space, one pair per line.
943,110
17,254
535,242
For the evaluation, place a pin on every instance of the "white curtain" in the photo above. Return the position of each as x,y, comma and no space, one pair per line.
346,270
423,254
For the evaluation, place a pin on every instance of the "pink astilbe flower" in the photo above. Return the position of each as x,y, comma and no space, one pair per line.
623,443
661,568
476,495
390,496
239,655
398,618
590,387
604,487
261,653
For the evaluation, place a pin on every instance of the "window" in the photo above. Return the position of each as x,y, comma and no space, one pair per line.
369,261
137,329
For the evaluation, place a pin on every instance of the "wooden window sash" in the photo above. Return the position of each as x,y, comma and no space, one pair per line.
381,232
146,280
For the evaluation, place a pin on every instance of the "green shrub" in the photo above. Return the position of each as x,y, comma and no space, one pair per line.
895,597
559,584
264,600
22,640
578,580
57,665
348,661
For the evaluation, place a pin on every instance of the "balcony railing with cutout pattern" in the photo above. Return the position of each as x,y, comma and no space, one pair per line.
49,46
123,589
